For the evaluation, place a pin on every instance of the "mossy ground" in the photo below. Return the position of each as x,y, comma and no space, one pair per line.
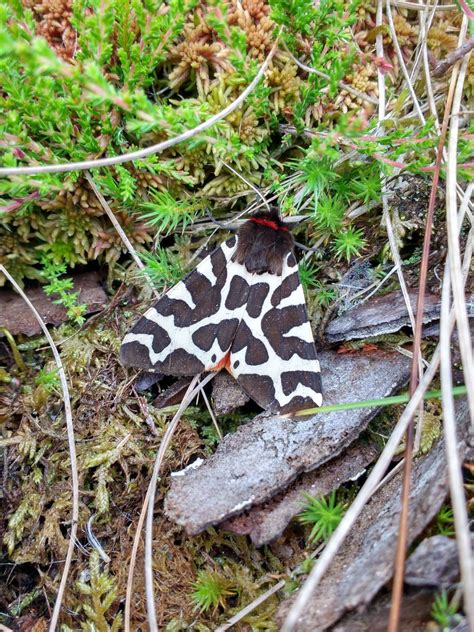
110,77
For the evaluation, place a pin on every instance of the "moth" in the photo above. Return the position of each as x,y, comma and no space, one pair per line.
241,309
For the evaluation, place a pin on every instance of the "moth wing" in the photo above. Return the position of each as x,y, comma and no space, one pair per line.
190,329
273,356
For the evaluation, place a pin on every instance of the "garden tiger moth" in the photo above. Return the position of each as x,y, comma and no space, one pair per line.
243,309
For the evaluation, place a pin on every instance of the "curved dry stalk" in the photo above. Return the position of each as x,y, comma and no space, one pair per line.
143,513
323,75
248,183
426,70
72,451
425,20
211,413
456,486
152,149
386,214
133,562
149,590
420,6
454,251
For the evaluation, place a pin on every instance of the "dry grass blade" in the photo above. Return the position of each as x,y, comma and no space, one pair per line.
72,451
150,594
251,606
152,149
454,252
461,520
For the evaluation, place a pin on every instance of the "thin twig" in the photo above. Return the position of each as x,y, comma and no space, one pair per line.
72,451
149,589
152,149
457,54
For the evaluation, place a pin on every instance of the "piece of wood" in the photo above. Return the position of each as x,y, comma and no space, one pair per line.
267,521
264,456
379,315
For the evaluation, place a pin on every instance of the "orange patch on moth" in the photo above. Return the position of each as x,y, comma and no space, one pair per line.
223,364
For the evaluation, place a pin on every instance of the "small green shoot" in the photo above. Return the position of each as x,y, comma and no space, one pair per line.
329,213
349,244
367,187
393,400
99,593
48,379
308,274
443,612
162,268
324,296
324,514
63,288
445,521
211,591
166,214
316,175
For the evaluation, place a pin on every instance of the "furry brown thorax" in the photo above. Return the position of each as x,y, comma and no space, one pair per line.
263,243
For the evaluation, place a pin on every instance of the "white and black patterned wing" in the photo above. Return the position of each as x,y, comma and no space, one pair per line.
191,328
273,356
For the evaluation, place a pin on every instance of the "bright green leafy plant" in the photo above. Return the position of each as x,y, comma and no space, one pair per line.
211,589
323,516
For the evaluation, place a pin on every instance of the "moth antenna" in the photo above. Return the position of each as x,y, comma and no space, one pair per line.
249,184
220,224
305,248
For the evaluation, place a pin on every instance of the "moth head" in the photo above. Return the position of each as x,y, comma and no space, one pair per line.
264,243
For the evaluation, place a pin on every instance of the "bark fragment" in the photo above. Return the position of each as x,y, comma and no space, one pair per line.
267,521
380,315
264,456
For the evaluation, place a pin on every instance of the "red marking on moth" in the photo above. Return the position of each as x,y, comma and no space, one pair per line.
223,364
268,222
